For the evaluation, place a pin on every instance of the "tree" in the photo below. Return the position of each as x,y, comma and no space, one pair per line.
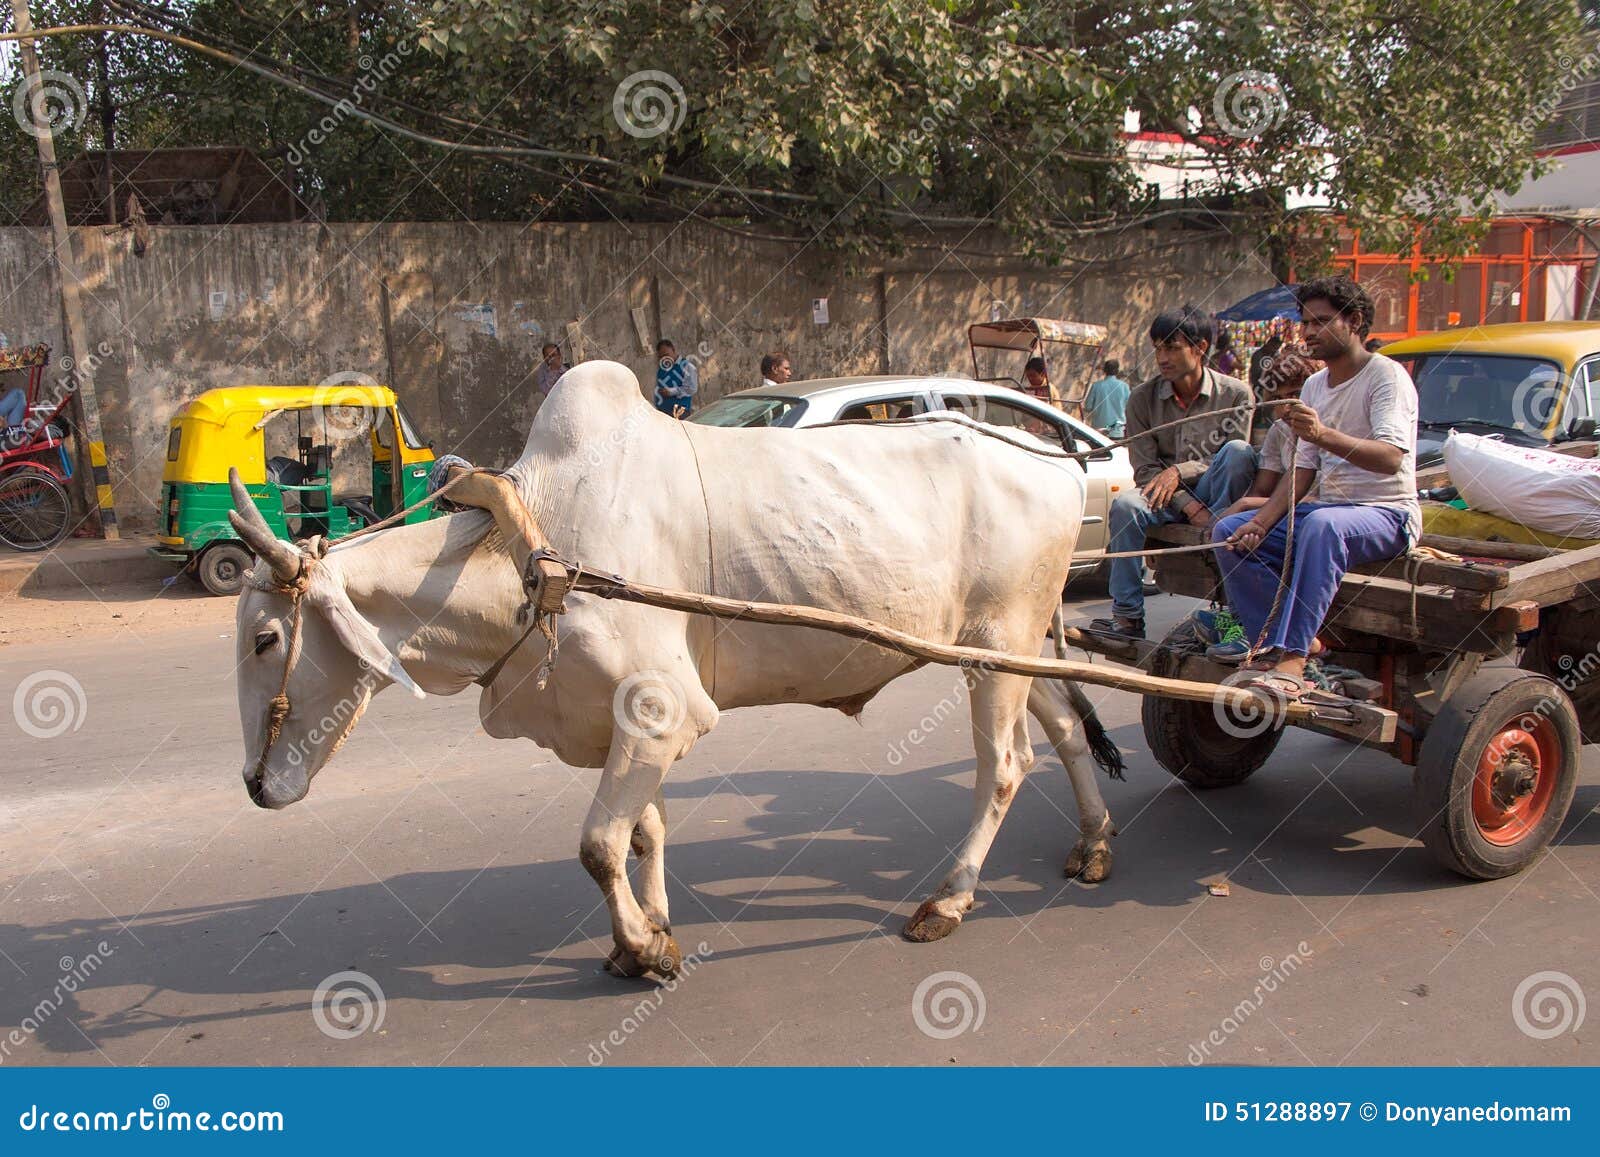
862,121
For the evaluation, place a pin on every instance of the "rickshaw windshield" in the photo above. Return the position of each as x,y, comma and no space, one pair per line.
407,430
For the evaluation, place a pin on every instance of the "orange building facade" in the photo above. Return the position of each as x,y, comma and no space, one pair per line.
1528,269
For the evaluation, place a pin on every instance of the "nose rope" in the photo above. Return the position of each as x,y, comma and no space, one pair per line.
278,706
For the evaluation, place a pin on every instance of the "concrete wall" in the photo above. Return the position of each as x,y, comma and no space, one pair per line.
453,314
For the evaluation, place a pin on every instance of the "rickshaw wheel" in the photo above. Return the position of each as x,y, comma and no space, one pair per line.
1496,773
35,510
1190,740
222,568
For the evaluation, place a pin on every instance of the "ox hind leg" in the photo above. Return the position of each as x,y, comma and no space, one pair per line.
1050,702
650,846
998,704
628,788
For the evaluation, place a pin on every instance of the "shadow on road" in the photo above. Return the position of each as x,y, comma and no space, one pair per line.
849,851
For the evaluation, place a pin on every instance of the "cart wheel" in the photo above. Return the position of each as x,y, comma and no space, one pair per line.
223,566
1201,745
35,512
1496,773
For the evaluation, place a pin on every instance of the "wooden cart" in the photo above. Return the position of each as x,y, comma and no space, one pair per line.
1495,748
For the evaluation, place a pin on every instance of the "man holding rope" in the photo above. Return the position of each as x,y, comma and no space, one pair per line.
1184,473
1355,436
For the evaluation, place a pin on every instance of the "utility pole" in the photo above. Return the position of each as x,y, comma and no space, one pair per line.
93,485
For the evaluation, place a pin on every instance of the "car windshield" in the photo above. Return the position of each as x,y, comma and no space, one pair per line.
1517,395
750,411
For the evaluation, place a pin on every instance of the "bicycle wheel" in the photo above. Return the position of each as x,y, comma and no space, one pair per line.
35,512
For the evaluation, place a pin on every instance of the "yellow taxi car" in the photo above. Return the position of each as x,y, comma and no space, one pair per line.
1533,383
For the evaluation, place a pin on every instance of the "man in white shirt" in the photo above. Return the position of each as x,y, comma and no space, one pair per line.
775,370
550,369
1356,431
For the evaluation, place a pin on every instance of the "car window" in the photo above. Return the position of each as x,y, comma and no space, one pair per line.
883,409
1513,394
744,412
1580,402
1009,415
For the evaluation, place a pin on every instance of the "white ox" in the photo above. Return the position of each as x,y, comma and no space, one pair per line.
932,528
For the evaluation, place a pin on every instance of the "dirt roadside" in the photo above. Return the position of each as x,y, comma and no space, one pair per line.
143,609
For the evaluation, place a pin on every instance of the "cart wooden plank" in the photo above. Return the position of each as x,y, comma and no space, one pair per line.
1464,576
1553,580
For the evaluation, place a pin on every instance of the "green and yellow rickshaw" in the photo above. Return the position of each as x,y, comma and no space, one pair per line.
293,487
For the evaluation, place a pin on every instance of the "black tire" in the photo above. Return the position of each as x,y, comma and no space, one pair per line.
35,510
223,566
1189,740
1468,748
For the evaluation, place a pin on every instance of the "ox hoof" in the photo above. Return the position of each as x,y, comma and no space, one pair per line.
663,955
625,964
928,923
1089,863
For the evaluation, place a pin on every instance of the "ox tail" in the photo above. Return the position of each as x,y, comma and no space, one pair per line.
1101,747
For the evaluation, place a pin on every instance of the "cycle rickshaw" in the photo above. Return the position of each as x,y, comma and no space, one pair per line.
35,508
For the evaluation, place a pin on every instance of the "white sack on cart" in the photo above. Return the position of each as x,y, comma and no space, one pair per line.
1543,490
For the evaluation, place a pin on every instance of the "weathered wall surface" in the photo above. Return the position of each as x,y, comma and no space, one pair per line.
453,314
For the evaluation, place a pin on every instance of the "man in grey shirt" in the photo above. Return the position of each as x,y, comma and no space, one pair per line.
1356,431
1190,473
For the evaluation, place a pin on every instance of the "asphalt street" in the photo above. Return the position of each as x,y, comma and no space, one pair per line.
149,914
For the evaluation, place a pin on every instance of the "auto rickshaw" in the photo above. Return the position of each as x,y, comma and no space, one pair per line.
294,491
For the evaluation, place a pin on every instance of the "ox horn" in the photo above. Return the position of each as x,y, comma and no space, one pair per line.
257,535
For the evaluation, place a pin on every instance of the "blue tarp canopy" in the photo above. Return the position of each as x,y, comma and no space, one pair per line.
1264,306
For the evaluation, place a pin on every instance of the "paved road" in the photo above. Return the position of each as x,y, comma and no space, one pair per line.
149,914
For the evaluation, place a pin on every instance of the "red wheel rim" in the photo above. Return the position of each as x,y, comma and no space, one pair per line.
1516,780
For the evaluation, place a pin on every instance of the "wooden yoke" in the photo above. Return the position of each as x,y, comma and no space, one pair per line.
547,579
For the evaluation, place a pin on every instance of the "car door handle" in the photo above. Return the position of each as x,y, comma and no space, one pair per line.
1092,520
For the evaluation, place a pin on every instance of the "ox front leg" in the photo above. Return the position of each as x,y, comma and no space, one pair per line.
1090,858
998,702
628,788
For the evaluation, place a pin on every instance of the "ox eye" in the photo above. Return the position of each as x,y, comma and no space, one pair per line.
264,640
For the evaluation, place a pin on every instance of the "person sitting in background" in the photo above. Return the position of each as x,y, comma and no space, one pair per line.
1282,379
775,370
677,380
550,368
1185,473
13,407
1356,431
1037,379
1225,361
1105,405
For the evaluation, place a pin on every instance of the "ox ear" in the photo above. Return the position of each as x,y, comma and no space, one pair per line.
359,635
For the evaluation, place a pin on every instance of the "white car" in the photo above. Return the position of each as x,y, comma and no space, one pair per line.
799,404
